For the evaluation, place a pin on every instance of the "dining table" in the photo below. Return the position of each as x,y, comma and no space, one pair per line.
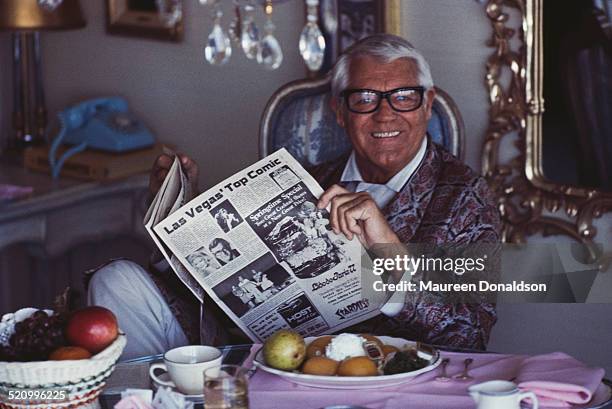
425,391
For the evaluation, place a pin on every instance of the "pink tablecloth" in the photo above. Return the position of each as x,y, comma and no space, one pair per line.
423,392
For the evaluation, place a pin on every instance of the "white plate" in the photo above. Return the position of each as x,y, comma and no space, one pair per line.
350,382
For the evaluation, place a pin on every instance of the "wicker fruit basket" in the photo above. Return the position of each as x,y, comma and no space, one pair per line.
82,380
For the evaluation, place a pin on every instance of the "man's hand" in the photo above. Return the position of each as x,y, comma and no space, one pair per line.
162,166
357,214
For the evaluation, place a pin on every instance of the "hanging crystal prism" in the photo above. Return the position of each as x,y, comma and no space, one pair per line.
170,11
312,42
218,48
49,5
270,54
329,13
235,27
250,34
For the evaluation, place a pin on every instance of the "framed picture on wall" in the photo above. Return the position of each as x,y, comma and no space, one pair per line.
155,19
344,22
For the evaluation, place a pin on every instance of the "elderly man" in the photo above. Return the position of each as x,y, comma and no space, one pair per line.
396,186
399,187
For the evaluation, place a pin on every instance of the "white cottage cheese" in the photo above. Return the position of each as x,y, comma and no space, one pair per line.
345,346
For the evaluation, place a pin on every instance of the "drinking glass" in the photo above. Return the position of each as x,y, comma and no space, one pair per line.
226,387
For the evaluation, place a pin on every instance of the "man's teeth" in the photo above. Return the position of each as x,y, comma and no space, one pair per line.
385,134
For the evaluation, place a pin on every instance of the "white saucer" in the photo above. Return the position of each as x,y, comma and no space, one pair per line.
166,378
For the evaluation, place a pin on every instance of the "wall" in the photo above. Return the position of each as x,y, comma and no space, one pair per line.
455,47
211,113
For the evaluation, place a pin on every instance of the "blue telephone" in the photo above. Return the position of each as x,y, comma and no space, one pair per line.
102,123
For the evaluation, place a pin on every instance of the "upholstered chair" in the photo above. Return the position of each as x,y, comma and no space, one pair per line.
298,117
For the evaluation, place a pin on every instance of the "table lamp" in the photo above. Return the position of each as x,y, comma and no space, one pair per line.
25,18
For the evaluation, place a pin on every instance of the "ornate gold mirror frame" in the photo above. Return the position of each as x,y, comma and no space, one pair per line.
528,202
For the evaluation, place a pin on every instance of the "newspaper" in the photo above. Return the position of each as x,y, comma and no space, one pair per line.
258,245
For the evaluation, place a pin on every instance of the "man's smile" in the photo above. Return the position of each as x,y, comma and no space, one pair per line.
386,134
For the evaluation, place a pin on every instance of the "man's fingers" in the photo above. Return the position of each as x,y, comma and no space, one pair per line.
191,169
163,161
340,215
349,214
186,161
329,194
189,164
339,200
333,216
328,197
153,186
160,175
355,215
340,204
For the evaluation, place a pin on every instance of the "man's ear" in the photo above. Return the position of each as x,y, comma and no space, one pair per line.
336,105
431,95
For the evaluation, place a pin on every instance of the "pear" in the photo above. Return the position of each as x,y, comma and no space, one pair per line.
284,350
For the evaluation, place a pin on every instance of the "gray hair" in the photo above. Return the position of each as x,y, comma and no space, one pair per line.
385,47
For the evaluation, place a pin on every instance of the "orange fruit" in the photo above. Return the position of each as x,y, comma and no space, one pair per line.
372,338
387,349
320,365
357,366
66,353
317,347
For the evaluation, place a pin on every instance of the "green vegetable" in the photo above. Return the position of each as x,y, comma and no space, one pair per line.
404,361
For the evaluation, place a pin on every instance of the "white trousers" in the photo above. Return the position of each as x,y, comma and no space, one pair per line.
126,288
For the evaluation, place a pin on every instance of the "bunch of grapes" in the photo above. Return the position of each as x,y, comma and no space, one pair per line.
35,338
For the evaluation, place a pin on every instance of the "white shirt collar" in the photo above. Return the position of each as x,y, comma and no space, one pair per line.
351,171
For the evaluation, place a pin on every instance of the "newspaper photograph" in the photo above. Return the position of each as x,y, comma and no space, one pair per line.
258,245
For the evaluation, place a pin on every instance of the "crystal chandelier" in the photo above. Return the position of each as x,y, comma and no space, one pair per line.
49,5
243,33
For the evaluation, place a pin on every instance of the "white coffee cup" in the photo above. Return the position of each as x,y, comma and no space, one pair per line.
500,395
186,366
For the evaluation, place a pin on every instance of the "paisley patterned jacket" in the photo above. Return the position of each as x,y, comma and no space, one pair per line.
444,202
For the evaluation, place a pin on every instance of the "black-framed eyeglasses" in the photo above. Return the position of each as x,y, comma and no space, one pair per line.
365,101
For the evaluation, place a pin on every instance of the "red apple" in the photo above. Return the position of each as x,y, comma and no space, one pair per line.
92,328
